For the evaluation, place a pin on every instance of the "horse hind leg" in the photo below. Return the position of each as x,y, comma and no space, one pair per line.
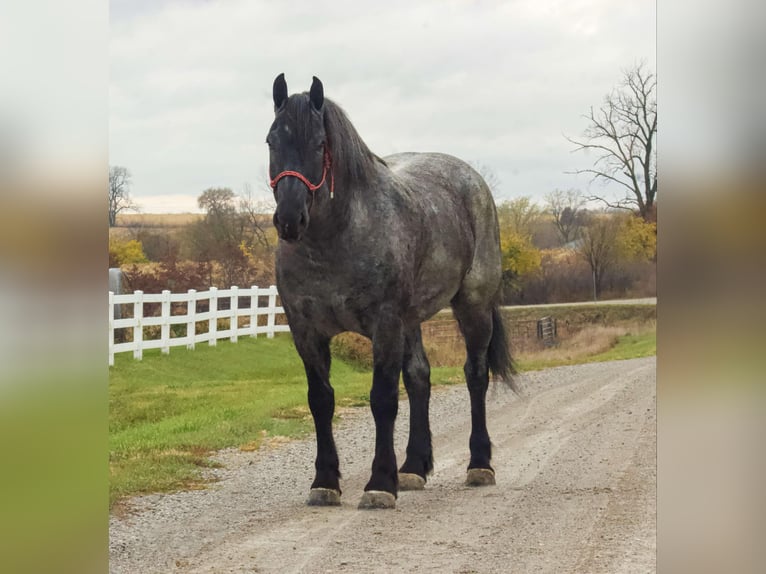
416,373
476,324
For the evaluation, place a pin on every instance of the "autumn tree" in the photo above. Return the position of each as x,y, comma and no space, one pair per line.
119,192
637,240
123,252
229,235
612,241
622,132
520,257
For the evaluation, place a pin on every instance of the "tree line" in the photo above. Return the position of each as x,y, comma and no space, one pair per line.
555,252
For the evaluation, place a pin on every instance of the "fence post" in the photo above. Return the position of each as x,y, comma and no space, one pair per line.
272,315
138,329
254,311
111,328
191,314
233,306
165,325
212,324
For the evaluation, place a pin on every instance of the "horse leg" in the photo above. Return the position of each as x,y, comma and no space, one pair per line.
315,352
476,325
416,373
387,352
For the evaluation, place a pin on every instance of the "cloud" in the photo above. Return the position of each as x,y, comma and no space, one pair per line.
495,82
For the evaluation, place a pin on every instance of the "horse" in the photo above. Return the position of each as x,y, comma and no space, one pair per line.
376,246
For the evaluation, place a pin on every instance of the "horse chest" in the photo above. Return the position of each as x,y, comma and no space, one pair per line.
335,294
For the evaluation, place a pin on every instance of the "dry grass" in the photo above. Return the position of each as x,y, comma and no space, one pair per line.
589,341
157,219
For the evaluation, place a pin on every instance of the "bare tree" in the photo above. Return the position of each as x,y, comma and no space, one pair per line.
598,246
253,212
566,207
119,192
623,131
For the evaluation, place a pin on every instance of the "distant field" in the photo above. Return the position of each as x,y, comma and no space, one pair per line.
157,219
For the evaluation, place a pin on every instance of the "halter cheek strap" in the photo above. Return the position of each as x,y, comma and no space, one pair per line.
327,167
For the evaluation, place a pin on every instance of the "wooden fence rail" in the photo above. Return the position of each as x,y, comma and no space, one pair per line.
164,320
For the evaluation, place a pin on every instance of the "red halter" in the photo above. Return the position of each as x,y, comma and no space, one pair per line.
327,166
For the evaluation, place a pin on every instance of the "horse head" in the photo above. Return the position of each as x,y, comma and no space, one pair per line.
299,157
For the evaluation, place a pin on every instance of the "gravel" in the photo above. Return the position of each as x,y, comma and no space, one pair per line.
576,476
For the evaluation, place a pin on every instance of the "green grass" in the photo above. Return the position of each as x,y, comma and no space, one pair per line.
630,347
168,413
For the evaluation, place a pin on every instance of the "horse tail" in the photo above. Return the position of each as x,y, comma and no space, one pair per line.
498,354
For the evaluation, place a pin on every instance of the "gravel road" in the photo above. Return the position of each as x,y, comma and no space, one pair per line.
576,475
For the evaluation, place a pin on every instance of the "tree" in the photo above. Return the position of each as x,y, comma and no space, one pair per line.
519,215
637,240
232,235
623,132
598,246
253,211
519,256
119,192
125,252
566,207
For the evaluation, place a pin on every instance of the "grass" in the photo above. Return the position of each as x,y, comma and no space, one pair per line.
169,413
595,344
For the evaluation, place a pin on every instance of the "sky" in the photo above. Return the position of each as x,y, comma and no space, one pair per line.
499,84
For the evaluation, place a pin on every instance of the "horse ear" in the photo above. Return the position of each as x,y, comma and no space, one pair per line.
316,95
280,91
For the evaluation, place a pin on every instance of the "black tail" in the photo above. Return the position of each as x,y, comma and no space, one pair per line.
498,354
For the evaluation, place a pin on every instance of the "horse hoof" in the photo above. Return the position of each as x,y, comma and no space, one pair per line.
410,481
480,477
323,497
377,499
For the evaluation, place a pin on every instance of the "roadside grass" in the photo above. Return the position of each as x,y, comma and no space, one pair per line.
169,413
595,344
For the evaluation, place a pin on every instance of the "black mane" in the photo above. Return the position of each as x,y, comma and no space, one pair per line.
353,161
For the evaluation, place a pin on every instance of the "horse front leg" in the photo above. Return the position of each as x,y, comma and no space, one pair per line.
387,349
315,352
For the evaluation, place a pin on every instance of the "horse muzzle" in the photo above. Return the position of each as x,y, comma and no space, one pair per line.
291,228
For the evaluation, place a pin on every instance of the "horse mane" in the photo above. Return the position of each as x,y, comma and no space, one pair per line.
353,162
350,154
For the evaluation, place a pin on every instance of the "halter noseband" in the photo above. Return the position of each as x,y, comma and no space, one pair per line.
327,167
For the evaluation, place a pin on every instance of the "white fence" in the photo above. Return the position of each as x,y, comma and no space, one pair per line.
242,320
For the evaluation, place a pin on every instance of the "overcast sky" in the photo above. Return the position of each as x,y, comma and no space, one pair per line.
495,83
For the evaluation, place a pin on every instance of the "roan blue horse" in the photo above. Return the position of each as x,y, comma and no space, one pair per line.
377,246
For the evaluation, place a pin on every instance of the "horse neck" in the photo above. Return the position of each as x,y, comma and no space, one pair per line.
332,218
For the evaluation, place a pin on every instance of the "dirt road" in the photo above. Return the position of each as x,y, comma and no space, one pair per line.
576,475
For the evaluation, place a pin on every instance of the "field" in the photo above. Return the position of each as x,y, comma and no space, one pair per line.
168,413
157,219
